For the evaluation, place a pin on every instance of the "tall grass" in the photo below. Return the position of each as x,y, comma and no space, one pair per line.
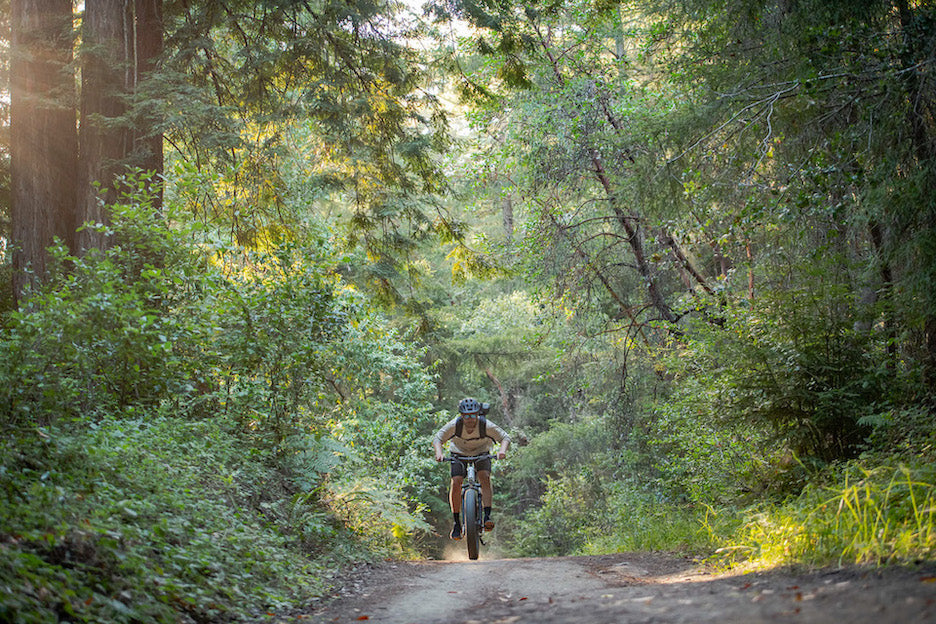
881,515
578,516
641,521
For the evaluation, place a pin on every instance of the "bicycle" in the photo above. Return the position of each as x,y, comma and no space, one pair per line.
472,512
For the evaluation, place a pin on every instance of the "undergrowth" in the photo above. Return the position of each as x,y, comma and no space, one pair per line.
877,510
593,501
884,514
575,518
852,514
183,432
141,520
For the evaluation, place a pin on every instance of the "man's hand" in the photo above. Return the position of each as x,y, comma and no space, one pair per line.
501,455
439,456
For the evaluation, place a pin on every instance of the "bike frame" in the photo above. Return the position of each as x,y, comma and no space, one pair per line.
471,504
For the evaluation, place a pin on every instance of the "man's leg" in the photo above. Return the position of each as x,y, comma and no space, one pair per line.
487,494
455,493
455,502
487,497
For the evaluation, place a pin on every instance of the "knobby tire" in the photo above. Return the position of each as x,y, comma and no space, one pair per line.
472,532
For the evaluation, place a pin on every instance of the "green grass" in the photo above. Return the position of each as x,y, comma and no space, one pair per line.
880,515
576,516
646,525
854,513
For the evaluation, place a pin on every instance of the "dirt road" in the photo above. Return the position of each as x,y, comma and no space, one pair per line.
623,588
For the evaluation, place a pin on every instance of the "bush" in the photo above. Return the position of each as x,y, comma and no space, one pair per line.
187,431
639,519
570,513
110,331
574,495
770,391
135,520
884,514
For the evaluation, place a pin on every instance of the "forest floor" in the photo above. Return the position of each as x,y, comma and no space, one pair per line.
622,588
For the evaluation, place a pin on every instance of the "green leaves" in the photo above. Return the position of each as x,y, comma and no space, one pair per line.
102,336
182,421
299,108
131,524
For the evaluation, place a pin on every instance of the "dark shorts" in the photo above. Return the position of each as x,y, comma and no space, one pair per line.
459,470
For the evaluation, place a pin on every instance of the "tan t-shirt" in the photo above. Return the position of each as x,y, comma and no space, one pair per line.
470,444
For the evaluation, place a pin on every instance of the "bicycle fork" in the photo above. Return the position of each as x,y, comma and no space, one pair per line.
471,484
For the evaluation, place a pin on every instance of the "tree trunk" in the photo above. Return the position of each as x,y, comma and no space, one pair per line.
147,140
920,102
107,72
508,214
505,399
43,135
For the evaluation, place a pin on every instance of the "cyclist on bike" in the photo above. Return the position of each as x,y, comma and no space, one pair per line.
470,434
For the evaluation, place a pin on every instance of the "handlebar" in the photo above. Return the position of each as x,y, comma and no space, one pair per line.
475,458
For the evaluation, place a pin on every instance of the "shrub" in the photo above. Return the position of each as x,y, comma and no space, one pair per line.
885,514
186,431
138,520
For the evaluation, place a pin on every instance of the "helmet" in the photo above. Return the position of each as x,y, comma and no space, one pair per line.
469,406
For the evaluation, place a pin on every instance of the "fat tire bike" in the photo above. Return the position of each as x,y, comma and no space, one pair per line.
472,512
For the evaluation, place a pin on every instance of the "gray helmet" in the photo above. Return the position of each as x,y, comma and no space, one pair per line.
469,405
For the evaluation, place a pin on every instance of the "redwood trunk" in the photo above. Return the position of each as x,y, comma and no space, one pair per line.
107,72
43,135
147,140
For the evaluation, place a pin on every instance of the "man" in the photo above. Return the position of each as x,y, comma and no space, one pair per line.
469,434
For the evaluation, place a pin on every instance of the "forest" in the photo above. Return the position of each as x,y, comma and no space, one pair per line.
255,251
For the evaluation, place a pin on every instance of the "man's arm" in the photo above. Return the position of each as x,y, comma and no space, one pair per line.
499,435
502,452
441,436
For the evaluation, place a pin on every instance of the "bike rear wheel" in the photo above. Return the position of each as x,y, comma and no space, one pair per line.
471,512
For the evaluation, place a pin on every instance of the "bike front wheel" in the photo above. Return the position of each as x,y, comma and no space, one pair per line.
471,510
